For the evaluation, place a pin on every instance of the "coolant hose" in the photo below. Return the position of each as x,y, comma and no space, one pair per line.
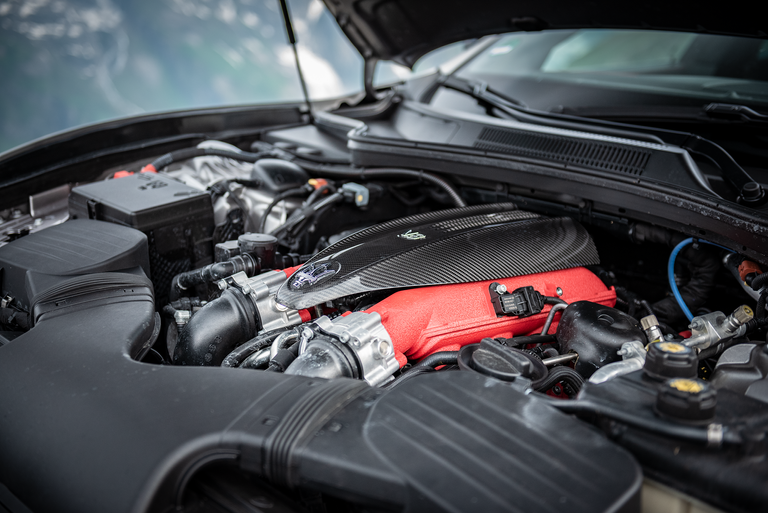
704,267
216,329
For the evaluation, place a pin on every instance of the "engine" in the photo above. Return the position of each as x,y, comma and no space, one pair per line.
256,265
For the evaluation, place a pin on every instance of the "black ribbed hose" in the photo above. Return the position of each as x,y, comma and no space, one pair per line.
556,375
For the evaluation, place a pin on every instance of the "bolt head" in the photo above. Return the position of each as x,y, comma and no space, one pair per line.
501,289
307,333
345,337
383,348
559,291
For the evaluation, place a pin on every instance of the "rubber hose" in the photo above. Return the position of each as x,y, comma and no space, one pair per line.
367,174
760,309
437,359
759,281
407,376
257,343
662,427
188,153
216,329
530,339
551,316
280,197
704,266
556,375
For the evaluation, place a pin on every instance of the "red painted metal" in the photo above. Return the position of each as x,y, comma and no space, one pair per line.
425,320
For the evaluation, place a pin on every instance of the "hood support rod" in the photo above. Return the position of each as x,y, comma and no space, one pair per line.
292,40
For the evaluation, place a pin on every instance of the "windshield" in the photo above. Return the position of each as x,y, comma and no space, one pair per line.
71,62
603,70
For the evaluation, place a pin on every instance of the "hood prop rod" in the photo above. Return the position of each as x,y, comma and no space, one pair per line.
292,40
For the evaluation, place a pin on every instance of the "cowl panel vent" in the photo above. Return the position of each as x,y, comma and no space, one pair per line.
590,154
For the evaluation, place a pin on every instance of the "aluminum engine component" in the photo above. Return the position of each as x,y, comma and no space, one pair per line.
714,327
202,172
359,334
633,354
246,307
261,289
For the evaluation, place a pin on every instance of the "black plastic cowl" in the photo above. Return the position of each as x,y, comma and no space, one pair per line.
216,329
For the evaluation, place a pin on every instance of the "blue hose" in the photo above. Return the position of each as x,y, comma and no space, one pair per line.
671,273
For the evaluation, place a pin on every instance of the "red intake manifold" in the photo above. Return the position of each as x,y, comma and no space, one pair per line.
425,320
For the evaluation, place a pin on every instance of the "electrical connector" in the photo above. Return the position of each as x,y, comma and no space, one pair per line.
522,302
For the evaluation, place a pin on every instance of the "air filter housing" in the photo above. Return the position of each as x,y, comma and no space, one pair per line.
459,245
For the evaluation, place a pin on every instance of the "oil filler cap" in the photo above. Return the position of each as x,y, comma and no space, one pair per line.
687,400
670,360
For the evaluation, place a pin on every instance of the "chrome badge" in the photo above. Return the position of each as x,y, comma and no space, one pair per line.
409,235
312,273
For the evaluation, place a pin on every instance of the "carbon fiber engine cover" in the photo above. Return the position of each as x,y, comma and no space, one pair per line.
460,245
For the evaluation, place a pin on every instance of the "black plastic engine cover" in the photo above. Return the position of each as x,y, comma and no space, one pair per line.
596,333
459,245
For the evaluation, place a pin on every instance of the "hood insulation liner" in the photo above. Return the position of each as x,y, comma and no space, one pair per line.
459,245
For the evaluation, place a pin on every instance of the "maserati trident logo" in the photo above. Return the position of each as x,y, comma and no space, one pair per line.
310,274
409,235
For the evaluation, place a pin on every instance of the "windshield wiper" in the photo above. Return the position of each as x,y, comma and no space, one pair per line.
735,112
749,191
518,110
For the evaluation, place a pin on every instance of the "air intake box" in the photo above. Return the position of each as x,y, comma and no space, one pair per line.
177,219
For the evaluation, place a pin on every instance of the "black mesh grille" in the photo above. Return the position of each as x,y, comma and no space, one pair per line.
163,270
592,154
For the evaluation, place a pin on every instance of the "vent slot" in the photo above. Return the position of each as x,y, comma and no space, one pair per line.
591,154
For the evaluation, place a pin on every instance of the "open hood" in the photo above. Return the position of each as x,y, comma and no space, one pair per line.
404,30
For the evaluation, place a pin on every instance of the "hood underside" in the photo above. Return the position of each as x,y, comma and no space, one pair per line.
404,30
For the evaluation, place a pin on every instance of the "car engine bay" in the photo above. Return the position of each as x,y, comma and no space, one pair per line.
397,280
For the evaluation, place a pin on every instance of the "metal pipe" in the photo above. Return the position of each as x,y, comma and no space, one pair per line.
562,358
